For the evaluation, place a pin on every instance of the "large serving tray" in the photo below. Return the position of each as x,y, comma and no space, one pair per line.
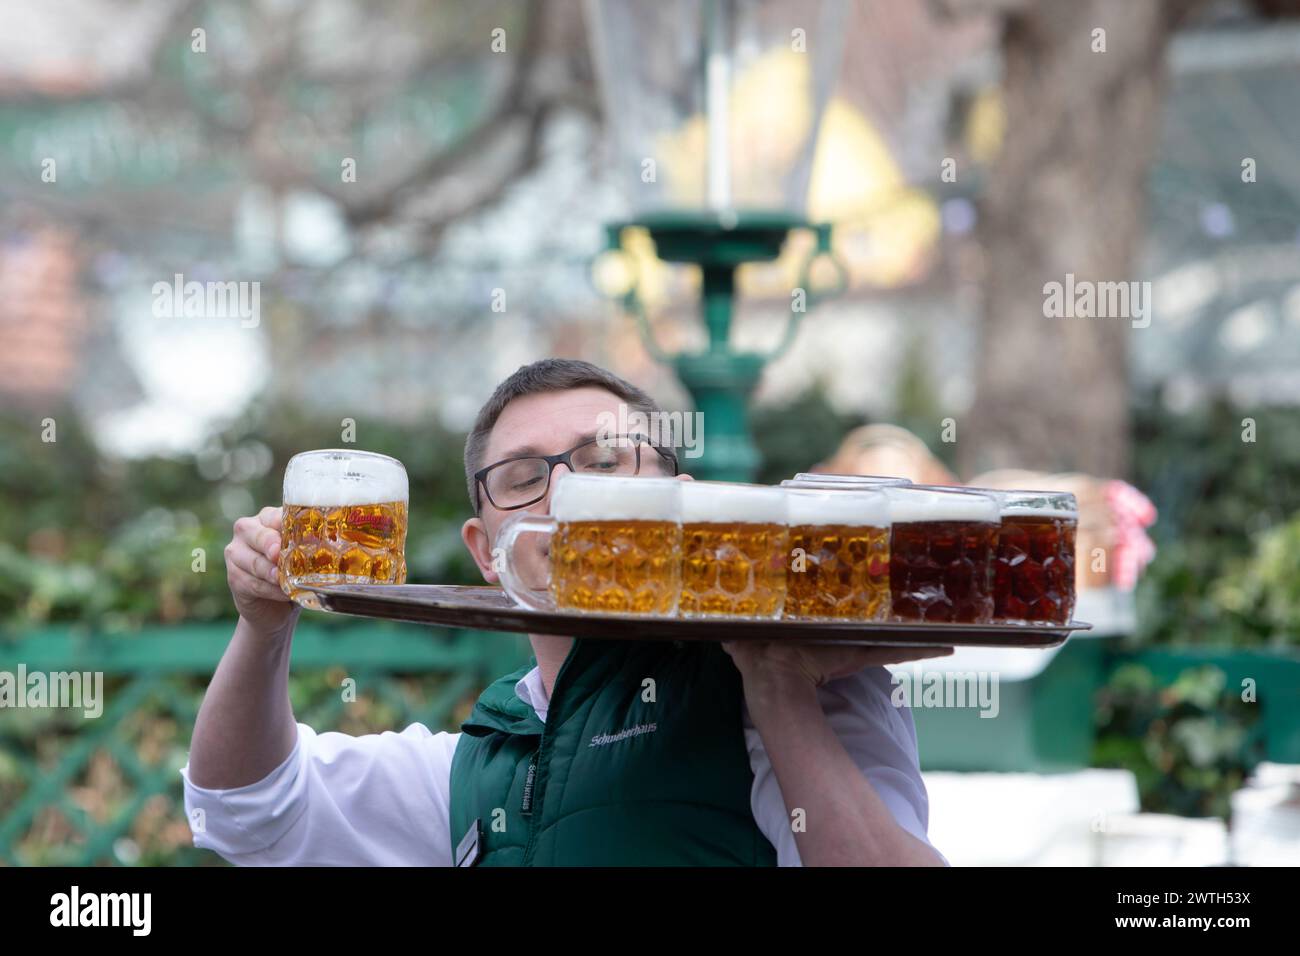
490,609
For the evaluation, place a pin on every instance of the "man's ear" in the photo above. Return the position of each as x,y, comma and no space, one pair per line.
474,533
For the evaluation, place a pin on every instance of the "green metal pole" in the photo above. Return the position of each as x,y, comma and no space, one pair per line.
719,380
721,383
719,296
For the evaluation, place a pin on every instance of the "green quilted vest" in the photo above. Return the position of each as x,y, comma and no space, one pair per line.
611,779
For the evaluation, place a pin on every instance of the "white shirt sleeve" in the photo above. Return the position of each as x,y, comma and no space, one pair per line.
337,800
879,737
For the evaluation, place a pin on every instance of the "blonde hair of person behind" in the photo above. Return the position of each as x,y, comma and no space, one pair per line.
887,450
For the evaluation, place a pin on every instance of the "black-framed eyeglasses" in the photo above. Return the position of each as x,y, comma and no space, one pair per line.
522,481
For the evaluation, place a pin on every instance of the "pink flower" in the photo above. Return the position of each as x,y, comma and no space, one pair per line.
1131,513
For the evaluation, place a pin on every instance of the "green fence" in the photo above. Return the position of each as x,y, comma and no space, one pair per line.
78,790
106,790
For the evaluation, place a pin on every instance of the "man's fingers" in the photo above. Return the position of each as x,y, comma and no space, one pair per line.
901,655
742,647
245,583
860,658
268,543
241,555
262,532
269,538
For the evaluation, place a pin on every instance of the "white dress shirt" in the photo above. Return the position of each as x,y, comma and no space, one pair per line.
383,799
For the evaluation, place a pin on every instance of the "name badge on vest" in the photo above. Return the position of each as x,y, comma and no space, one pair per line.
469,849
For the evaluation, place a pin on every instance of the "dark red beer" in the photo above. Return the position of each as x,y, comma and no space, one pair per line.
941,549
1033,572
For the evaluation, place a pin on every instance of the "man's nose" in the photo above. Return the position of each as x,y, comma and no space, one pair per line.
544,506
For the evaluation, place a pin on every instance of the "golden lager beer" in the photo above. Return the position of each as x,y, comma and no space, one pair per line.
343,521
839,555
734,550
615,547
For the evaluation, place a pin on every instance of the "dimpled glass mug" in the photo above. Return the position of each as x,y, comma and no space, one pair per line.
941,549
1033,562
735,544
839,547
343,521
613,545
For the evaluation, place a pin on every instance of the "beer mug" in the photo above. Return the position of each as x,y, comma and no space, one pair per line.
839,555
611,544
941,547
735,543
1033,562
343,521
1033,570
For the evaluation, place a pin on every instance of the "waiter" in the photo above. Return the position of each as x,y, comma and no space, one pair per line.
595,753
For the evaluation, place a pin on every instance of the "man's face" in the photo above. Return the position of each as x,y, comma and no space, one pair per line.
545,424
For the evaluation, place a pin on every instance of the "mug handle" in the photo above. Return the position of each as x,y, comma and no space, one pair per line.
503,561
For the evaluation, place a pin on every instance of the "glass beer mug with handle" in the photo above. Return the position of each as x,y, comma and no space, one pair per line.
1033,571
839,547
941,548
1033,561
611,544
735,545
344,521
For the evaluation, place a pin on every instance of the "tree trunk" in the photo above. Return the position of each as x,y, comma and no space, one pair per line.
1066,195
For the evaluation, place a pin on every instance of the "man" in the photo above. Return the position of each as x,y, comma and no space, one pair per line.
749,753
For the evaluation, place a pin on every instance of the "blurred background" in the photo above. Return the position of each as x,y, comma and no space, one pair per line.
423,192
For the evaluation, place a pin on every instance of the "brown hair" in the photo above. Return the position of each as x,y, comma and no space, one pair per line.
547,375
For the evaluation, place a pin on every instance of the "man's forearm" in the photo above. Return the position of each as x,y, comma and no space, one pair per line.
245,727
845,821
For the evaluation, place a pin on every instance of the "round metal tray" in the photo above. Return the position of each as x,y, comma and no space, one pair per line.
490,609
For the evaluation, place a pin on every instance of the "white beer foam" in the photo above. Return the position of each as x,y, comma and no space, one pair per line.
721,502
841,507
614,498
809,485
1025,511
837,479
907,505
338,477
1019,503
1004,495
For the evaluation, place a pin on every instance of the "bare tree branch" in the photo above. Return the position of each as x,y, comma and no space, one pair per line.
515,102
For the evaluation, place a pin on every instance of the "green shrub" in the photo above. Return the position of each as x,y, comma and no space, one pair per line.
1222,572
111,543
1190,744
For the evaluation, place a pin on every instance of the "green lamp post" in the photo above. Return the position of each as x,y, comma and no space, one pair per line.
715,105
